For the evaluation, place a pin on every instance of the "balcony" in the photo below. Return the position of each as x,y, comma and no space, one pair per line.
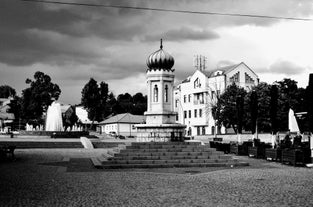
197,102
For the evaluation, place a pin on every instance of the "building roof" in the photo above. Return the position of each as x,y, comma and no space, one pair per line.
224,70
125,118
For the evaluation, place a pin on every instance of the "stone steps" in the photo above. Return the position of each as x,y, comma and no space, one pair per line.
171,154
144,153
170,157
185,161
171,165
193,149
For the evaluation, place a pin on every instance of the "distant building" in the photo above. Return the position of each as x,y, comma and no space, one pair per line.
122,124
196,95
5,116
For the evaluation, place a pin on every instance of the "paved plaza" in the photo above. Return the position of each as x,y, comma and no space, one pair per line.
65,177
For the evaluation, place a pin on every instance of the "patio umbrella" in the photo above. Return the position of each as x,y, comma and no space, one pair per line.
292,122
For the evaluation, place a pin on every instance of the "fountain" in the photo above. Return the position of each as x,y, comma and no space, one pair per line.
54,118
54,126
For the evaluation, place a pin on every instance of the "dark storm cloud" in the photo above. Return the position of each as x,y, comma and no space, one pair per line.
184,34
20,47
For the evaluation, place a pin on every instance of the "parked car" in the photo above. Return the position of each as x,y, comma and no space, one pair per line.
121,136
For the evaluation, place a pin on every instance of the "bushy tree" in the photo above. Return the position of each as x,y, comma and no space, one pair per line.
228,110
290,96
38,96
7,91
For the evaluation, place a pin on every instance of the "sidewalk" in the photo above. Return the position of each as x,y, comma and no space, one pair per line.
65,177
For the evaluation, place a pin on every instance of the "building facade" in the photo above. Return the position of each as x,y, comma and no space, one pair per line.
196,95
121,124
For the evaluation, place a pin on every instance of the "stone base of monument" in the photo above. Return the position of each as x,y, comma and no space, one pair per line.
167,155
160,132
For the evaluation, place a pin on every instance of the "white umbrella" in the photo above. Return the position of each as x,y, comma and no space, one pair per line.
292,122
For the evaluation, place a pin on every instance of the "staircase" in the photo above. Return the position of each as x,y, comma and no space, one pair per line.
165,155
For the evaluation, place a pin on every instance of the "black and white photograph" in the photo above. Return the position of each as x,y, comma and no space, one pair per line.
156,103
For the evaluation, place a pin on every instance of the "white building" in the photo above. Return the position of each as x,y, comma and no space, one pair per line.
122,124
195,96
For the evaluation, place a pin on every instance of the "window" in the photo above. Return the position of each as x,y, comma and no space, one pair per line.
196,83
185,114
176,103
166,93
248,79
200,112
185,98
203,130
235,78
155,93
176,117
218,93
189,97
213,95
189,113
195,113
198,130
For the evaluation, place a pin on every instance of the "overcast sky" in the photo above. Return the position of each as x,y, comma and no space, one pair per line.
74,43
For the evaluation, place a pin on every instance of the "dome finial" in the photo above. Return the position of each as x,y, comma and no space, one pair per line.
161,45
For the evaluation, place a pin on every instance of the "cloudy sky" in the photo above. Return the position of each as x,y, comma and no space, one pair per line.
74,43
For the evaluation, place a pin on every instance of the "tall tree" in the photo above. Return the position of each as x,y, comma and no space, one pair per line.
309,91
139,104
254,110
91,100
227,103
239,110
104,97
288,91
38,96
274,108
7,91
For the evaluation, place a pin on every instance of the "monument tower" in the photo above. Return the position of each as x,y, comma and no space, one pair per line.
160,116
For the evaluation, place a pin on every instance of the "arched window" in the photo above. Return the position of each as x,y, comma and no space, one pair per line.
166,93
155,93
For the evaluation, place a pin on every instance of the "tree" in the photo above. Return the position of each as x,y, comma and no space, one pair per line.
273,108
239,109
288,98
126,103
227,102
38,96
139,104
104,96
91,100
7,91
309,91
254,110
262,91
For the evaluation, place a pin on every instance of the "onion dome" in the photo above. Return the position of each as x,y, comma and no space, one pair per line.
160,59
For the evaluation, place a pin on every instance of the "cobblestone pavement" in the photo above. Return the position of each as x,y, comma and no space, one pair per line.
44,177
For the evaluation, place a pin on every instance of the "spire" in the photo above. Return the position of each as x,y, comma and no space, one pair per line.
161,45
